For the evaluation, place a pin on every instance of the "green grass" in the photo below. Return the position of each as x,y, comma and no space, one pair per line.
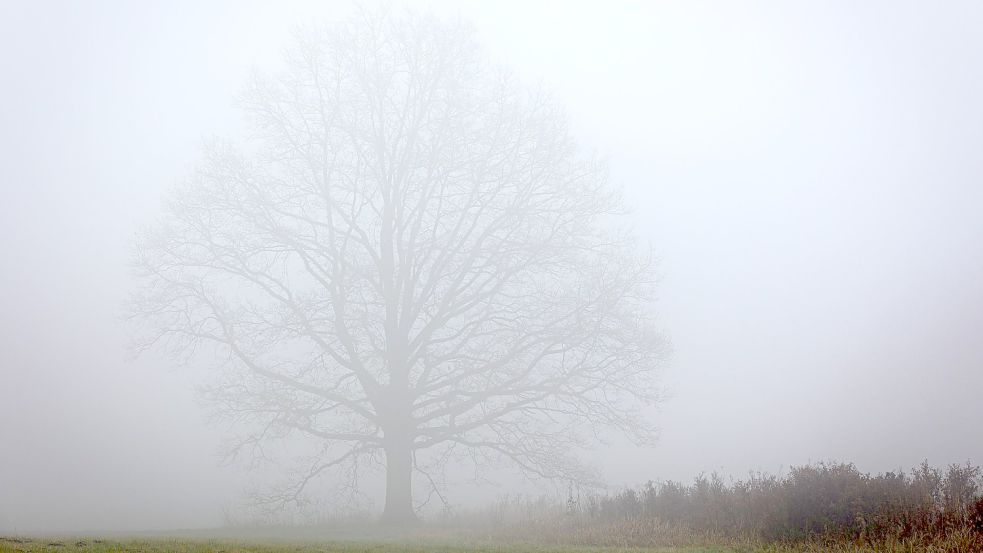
95,545
959,542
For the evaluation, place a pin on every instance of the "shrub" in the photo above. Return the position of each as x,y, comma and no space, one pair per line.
828,500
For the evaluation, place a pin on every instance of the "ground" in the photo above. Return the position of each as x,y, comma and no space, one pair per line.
72,545
64,544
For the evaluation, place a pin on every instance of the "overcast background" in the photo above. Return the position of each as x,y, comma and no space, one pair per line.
810,174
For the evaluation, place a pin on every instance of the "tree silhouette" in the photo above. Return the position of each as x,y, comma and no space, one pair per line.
407,254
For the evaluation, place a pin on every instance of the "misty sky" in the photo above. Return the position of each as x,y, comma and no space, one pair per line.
809,173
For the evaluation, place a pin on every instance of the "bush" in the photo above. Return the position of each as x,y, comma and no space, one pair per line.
832,500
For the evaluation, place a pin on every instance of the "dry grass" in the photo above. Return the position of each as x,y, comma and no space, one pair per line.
619,538
78,545
645,534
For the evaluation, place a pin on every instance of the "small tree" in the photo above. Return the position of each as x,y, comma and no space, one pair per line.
409,254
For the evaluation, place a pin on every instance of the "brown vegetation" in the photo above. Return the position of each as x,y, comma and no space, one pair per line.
826,506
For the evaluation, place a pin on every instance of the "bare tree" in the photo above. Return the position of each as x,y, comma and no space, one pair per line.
408,254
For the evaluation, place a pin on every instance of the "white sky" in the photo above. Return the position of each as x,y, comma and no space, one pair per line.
810,174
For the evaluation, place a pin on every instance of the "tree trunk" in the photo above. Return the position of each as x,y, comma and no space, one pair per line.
399,495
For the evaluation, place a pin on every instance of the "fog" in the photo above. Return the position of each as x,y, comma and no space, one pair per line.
807,174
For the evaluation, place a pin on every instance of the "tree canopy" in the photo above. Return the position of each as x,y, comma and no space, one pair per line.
407,261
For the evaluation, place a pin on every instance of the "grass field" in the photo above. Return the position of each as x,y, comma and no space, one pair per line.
198,545
955,544
83,544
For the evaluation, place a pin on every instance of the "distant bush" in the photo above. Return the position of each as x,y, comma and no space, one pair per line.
832,501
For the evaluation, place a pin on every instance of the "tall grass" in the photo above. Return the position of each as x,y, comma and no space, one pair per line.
832,506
